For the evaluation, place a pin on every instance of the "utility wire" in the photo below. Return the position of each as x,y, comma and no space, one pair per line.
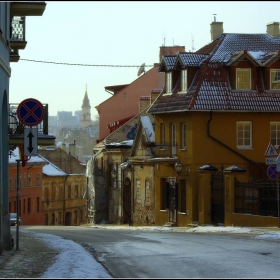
77,64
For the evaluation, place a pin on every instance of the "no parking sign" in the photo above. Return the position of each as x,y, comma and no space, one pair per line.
271,172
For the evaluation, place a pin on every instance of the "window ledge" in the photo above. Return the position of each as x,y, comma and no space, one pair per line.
245,148
182,213
167,93
182,149
162,210
182,92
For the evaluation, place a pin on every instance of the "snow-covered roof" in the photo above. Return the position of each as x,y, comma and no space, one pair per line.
49,168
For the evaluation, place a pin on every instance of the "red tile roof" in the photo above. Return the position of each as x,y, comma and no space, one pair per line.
210,89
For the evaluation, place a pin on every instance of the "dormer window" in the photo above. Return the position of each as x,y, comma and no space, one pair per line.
243,78
184,82
275,79
169,82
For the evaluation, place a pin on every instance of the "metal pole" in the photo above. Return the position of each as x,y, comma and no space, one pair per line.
17,237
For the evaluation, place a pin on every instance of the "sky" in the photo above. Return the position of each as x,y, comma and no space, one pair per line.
73,255
111,39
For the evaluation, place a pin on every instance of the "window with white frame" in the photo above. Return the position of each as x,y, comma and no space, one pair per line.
275,133
183,136
169,82
274,78
184,81
243,78
244,135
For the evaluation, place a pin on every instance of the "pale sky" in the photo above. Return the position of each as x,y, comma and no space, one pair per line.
73,261
116,33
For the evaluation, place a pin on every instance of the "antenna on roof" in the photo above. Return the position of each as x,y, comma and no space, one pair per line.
141,69
214,17
193,44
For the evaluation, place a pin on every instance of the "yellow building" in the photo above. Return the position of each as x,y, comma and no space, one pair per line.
214,120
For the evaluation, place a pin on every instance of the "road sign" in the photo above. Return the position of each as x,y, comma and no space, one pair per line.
271,151
30,112
30,141
271,172
270,160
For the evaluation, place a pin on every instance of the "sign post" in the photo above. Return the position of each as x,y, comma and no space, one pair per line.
273,160
30,112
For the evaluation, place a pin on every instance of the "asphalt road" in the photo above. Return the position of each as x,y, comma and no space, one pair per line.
136,254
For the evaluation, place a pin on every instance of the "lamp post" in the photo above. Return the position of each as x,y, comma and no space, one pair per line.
178,167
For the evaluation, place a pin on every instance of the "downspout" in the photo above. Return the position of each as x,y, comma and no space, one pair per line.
221,143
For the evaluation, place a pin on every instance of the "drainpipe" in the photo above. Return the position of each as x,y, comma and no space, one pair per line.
221,143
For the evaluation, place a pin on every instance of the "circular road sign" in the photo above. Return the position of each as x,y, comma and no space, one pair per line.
271,171
30,112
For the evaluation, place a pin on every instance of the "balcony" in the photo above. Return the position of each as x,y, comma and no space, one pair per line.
17,40
16,129
18,12
162,150
27,8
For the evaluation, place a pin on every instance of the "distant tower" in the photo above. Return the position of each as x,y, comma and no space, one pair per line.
86,115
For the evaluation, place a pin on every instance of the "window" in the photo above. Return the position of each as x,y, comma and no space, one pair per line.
275,133
53,192
37,204
184,83
29,180
147,193
244,135
38,179
138,191
168,82
76,191
275,79
24,180
243,78
28,205
183,136
69,191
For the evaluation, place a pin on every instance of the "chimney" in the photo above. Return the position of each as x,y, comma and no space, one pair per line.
273,29
173,50
216,28
144,103
72,149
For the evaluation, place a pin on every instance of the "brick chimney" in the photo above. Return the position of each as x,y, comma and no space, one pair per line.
72,149
272,29
172,50
144,103
216,28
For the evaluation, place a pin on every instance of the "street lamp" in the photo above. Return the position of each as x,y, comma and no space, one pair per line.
178,167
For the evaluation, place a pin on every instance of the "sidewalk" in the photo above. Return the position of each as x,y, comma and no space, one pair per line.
30,261
34,256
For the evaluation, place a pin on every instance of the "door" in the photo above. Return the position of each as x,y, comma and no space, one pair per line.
173,199
217,198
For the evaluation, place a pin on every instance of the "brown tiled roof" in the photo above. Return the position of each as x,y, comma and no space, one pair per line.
210,89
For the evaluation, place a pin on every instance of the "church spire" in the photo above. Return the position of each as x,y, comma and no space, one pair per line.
86,115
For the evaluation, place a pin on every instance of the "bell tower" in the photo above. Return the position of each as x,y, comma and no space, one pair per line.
86,115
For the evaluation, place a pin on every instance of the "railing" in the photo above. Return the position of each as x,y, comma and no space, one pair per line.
15,127
18,29
256,198
162,149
